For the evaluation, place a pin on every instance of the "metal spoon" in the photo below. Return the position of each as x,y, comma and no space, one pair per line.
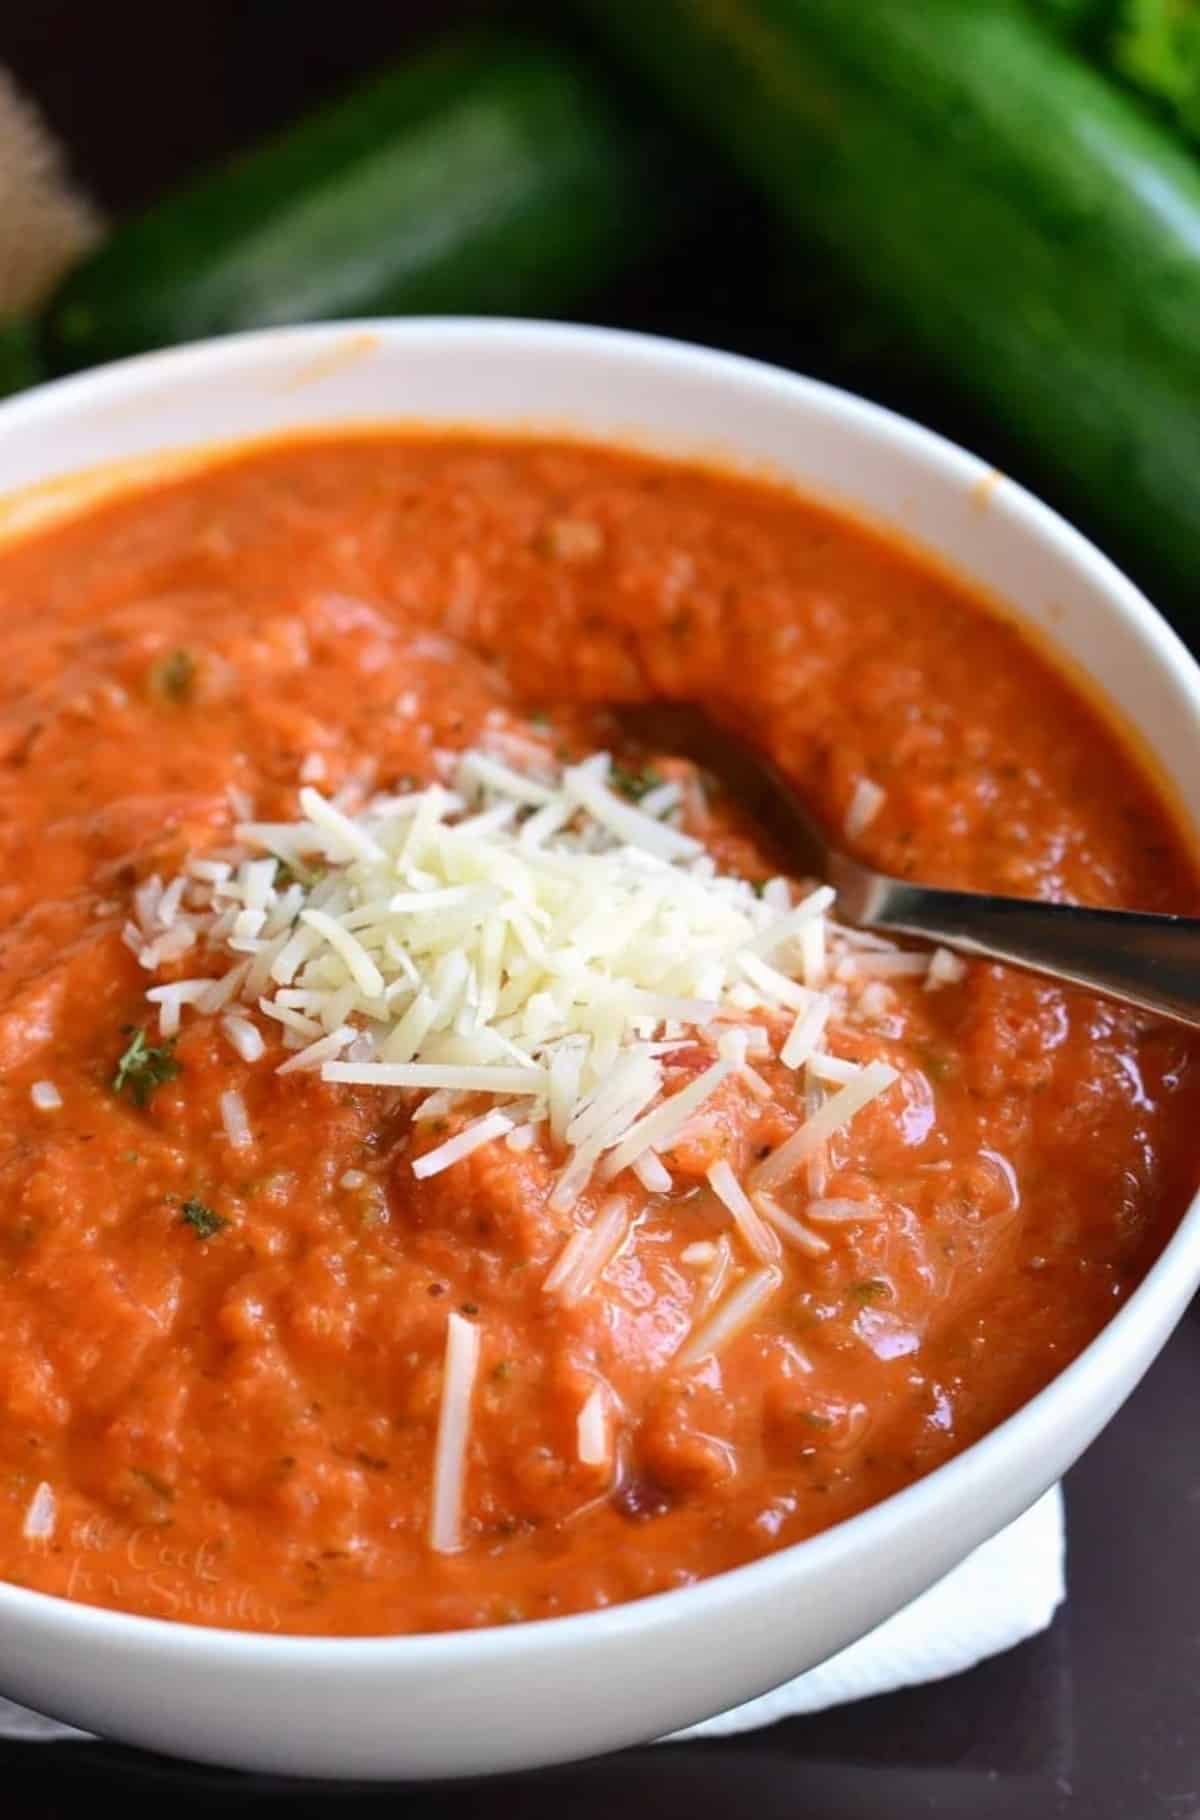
1149,961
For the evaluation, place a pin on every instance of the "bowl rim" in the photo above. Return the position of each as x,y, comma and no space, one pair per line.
913,445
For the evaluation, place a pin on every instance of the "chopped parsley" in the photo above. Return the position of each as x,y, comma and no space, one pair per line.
174,676
143,1067
153,1483
296,874
871,1289
204,1221
937,1064
634,784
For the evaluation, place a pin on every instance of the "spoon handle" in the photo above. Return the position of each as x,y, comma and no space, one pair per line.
1144,960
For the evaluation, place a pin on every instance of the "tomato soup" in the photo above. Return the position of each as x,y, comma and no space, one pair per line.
248,1317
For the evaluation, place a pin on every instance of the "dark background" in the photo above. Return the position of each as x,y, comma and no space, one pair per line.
1097,1720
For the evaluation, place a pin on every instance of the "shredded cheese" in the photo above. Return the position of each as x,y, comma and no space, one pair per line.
660,1129
866,802
759,1237
736,1312
592,1430
718,1270
945,969
235,1121
879,965
794,1231
842,1210
244,1038
465,1079
453,1432
805,1033
651,1173
832,1070
521,931
473,1137
41,1515
588,1253
875,1078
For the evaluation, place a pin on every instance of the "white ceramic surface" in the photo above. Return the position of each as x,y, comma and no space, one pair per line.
539,1693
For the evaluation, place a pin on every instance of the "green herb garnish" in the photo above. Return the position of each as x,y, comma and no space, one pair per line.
297,874
634,784
153,1483
871,1289
143,1068
204,1221
937,1064
174,676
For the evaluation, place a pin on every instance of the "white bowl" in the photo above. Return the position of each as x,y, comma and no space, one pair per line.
453,1705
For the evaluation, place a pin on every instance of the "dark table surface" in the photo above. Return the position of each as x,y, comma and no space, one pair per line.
1099,1718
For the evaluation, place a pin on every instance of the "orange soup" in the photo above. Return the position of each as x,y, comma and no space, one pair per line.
513,1198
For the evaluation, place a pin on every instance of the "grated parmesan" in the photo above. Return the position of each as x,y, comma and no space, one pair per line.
592,1429
732,1315
842,1210
794,1231
520,930
759,1237
244,1037
651,1173
235,1121
41,1515
866,802
588,1253
945,969
872,1080
473,1137
459,1370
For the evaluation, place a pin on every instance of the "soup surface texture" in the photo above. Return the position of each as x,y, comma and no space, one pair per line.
222,1360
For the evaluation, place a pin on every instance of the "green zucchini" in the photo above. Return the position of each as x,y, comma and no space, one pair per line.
1156,46
1027,231
1153,45
492,175
20,359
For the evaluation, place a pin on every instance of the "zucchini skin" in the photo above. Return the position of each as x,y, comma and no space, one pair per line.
20,359
1028,233
490,175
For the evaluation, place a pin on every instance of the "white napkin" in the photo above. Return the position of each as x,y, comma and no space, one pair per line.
1006,1591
